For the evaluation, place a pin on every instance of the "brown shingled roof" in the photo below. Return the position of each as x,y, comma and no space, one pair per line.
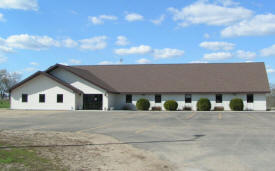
84,74
177,78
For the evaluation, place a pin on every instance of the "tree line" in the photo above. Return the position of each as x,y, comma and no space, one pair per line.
7,80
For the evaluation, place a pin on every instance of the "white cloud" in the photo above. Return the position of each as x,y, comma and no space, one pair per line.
95,20
217,45
217,56
109,63
257,26
133,17
183,24
202,12
227,2
74,61
5,49
269,51
69,43
2,18
3,59
108,17
246,54
159,20
206,35
122,41
19,4
33,42
198,62
269,70
157,53
63,63
100,19
34,64
142,49
106,63
143,61
94,43
167,53
29,69
25,41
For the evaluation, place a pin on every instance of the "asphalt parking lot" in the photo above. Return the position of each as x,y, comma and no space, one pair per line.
190,140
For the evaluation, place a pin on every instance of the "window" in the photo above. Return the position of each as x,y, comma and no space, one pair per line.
128,98
188,98
157,98
218,98
59,98
250,98
41,98
24,98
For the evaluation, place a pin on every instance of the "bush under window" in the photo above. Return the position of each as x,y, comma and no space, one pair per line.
171,105
236,104
143,104
204,105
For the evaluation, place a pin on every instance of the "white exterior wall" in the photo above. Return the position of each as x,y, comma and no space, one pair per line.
42,85
82,85
78,101
259,102
151,99
118,101
111,101
72,101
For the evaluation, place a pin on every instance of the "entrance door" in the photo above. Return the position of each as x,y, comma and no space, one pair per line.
92,101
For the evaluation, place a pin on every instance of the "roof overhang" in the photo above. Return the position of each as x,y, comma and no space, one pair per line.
75,90
69,69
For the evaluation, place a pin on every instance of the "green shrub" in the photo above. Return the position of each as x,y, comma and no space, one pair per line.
143,104
171,105
204,104
236,104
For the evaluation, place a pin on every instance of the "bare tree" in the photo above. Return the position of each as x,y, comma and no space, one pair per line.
7,80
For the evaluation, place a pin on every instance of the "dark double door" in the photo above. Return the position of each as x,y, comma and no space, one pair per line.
92,101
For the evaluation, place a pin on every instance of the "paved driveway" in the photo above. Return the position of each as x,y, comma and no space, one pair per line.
190,140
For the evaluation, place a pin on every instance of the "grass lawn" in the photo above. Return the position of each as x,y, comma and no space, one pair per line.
4,104
24,159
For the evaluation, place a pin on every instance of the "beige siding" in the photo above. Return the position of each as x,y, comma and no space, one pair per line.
81,84
260,102
42,85
78,101
118,101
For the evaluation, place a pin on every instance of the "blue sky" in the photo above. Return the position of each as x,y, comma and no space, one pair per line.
35,34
